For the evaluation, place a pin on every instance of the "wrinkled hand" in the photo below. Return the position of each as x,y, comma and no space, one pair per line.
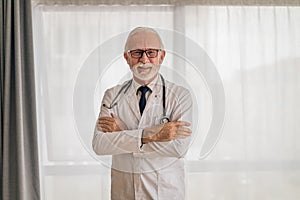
111,124
167,132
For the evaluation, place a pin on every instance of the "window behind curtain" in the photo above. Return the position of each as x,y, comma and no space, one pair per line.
256,52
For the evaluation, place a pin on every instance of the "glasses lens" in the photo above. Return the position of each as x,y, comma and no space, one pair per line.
151,53
136,53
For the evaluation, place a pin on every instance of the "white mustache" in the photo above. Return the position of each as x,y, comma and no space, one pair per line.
146,65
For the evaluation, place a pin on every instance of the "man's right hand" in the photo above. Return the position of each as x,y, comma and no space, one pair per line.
167,132
111,124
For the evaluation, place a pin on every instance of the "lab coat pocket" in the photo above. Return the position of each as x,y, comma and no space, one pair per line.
170,186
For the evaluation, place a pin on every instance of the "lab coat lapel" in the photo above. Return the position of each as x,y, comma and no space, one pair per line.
132,102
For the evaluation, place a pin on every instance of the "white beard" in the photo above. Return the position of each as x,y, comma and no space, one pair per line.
145,71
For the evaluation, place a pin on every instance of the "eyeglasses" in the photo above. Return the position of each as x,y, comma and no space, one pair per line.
138,53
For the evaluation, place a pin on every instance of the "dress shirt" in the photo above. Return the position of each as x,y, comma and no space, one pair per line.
151,85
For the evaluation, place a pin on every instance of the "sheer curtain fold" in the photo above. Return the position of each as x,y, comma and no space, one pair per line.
19,155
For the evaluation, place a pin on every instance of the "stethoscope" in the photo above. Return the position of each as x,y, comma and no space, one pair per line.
125,87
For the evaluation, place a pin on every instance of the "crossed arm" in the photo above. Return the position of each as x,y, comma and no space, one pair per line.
159,133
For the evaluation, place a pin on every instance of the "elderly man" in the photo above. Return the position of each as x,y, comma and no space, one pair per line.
144,124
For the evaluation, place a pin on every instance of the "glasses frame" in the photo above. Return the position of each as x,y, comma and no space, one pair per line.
142,53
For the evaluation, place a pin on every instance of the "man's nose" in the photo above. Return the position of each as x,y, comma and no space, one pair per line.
144,58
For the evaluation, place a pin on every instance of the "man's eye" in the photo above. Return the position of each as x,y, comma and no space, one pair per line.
136,53
151,52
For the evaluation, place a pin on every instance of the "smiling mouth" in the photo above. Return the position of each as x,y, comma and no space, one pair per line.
143,70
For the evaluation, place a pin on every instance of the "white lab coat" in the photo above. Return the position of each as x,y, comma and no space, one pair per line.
155,170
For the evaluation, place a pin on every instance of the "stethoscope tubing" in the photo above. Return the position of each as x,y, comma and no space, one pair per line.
114,103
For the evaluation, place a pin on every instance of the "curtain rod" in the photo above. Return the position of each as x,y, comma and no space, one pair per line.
171,2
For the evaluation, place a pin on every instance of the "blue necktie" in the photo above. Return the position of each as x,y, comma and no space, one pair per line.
142,103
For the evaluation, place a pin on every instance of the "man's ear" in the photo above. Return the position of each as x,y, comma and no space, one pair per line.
125,55
162,56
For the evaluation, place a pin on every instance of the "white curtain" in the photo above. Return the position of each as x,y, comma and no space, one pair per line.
256,52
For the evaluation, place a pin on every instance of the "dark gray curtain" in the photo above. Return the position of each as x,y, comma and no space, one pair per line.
18,141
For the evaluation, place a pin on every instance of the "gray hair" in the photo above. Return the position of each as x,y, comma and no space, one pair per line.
143,29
